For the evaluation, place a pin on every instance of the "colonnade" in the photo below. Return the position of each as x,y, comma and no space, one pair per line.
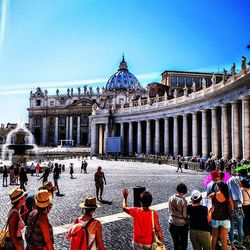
223,131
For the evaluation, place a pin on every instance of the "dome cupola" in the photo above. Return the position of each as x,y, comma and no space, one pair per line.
123,80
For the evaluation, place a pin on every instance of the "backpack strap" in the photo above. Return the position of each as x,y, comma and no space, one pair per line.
247,192
86,230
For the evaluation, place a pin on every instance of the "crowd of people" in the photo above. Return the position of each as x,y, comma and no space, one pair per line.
208,224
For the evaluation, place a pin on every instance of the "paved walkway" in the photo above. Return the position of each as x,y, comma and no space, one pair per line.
160,180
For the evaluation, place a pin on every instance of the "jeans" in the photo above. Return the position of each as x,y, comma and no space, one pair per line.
179,235
239,221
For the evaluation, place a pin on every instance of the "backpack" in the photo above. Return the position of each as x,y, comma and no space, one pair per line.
78,234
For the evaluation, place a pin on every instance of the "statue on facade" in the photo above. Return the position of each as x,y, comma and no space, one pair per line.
79,90
194,87
85,89
224,77
233,69
185,90
213,79
204,83
68,92
98,90
148,100
243,63
175,93
57,92
165,96
139,101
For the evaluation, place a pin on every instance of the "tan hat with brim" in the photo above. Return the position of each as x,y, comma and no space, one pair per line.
90,202
43,198
16,194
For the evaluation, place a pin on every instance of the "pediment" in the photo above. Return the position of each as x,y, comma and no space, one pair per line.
81,103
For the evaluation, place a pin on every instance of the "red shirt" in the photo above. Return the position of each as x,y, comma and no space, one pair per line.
143,228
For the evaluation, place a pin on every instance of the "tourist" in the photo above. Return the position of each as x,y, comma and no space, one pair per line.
12,175
238,215
37,169
23,178
143,237
15,222
82,167
199,219
39,232
45,175
221,212
85,164
56,175
5,176
178,223
71,170
99,182
245,189
32,169
179,163
16,174
212,186
93,226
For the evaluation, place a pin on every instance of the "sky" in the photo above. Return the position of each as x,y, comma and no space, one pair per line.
71,43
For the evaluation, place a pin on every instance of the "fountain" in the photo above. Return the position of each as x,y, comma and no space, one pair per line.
19,144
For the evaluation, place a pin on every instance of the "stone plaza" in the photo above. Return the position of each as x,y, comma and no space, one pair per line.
160,180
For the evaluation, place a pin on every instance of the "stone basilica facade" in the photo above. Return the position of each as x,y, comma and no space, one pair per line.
188,113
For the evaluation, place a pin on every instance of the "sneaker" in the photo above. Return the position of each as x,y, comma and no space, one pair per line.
241,247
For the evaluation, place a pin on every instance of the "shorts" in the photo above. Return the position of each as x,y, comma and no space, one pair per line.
221,223
99,184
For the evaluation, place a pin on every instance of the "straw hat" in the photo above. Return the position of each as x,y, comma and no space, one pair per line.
196,194
90,202
16,194
43,198
48,186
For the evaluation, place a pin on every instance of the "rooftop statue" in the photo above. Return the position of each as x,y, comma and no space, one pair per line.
85,89
79,90
139,101
213,79
148,100
157,97
98,90
233,69
194,87
57,92
175,93
46,92
204,83
91,90
243,63
71,92
185,90
31,93
68,92
224,77
165,96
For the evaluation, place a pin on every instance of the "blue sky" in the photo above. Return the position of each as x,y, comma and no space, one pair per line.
68,43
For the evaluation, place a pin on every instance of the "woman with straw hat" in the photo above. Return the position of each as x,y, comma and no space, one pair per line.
15,222
92,226
39,232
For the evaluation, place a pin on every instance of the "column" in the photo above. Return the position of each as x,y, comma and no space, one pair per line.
78,133
204,140
157,136
122,135
224,132
67,128
235,129
176,137
93,138
31,124
246,127
215,138
166,134
185,135
56,131
139,145
148,135
106,138
194,135
130,138
70,127
44,131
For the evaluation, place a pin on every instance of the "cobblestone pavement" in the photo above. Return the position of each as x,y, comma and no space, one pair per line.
160,180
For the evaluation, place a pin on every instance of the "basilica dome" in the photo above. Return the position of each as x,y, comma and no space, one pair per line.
123,80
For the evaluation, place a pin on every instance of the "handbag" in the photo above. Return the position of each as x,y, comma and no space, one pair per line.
3,235
157,244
